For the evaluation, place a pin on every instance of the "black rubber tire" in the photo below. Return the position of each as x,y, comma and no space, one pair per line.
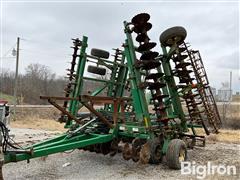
100,53
96,70
173,152
155,157
178,33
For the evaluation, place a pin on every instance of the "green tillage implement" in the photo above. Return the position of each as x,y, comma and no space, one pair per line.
124,120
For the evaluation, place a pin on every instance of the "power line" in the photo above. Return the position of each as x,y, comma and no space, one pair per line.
6,53
13,46
7,57
44,53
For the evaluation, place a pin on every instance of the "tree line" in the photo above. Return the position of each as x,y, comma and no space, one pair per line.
37,80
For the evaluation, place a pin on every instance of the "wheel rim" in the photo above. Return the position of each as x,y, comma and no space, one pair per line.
181,155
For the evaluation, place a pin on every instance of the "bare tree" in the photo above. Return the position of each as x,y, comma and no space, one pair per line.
6,81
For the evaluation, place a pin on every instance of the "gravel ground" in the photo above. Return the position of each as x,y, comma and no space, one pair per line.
87,165
23,135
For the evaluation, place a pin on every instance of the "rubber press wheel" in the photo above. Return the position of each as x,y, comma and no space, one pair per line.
100,53
96,70
176,153
173,35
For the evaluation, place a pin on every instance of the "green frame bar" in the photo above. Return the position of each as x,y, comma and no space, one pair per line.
73,104
169,79
139,99
59,144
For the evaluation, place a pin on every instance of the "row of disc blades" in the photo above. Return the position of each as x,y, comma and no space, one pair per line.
183,72
103,148
153,81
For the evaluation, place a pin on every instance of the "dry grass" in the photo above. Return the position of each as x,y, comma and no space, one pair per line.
229,136
232,116
39,118
231,123
224,135
45,118
38,123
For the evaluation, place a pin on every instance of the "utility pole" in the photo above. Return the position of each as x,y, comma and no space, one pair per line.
228,98
16,79
230,85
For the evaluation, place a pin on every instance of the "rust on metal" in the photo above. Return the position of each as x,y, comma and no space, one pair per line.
63,110
98,114
88,102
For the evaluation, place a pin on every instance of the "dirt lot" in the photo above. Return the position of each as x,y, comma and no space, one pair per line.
86,165
223,148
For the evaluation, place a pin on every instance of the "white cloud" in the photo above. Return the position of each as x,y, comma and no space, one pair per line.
213,28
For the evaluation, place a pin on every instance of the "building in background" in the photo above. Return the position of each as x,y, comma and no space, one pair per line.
225,93
214,92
